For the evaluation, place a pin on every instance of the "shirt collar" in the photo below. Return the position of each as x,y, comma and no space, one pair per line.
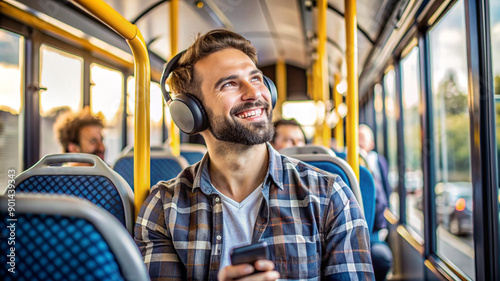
275,169
274,172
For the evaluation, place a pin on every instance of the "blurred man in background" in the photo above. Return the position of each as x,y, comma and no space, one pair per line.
381,253
81,133
287,133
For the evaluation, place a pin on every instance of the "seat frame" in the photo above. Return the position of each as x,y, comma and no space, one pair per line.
307,149
98,168
121,244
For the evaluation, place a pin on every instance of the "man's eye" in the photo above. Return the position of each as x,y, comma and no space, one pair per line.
229,84
256,78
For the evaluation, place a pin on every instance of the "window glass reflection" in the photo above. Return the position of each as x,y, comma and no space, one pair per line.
392,145
452,140
106,100
11,69
495,54
413,141
378,104
156,113
62,79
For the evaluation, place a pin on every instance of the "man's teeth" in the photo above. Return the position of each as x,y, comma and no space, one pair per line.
253,113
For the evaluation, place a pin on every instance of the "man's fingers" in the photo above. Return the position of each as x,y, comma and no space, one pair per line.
264,265
242,272
235,271
263,276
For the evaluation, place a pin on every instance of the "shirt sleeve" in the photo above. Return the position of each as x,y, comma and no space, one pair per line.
347,246
154,241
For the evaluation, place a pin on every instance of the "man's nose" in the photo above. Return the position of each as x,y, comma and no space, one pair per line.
251,92
100,146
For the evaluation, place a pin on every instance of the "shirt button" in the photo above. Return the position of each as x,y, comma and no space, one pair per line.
217,199
218,237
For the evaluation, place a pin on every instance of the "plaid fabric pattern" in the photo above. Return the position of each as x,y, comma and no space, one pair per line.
310,219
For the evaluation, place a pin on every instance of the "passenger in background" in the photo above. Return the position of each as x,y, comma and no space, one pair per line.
243,191
381,253
287,133
80,132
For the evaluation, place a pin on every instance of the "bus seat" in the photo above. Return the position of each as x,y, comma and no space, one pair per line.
130,149
364,191
67,238
307,149
163,166
192,152
341,154
334,165
367,186
97,183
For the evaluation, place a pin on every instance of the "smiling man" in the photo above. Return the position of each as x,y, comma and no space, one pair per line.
243,191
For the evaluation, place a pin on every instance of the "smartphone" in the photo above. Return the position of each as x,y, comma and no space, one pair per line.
249,254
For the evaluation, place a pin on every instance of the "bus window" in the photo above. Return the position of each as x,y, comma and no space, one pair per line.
495,54
392,145
106,100
11,69
412,136
378,104
155,111
62,76
452,140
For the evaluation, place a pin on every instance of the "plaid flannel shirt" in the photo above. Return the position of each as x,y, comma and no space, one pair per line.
310,219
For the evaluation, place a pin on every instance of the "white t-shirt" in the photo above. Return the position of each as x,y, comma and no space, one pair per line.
239,221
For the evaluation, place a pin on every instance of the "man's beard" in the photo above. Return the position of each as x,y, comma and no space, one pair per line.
232,130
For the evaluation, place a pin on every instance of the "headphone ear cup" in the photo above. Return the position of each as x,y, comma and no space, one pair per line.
188,114
272,89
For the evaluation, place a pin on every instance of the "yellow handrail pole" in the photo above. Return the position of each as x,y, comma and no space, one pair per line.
315,87
280,86
352,85
131,33
175,139
323,94
339,128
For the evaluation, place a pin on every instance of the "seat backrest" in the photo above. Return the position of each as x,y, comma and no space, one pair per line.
334,165
66,238
130,148
364,191
192,152
367,187
97,183
307,149
341,154
163,166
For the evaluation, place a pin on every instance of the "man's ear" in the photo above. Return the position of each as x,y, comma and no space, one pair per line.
73,147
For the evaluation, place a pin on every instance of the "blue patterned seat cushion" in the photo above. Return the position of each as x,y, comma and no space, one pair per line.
160,169
57,248
192,156
97,189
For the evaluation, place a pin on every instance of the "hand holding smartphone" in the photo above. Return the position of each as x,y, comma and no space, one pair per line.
249,254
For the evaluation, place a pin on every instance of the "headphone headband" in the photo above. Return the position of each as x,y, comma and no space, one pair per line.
171,65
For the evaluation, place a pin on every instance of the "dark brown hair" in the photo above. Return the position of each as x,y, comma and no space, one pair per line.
183,80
